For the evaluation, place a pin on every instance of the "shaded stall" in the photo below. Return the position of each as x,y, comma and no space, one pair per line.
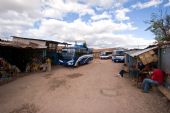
146,56
52,50
136,60
19,54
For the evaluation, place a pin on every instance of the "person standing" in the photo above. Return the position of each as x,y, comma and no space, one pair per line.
48,62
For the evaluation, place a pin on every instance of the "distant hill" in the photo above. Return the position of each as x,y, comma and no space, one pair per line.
104,49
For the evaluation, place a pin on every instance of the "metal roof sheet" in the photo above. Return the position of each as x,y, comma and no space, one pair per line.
51,41
21,45
139,52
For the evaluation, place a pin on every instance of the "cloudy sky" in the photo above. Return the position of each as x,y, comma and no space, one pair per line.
101,23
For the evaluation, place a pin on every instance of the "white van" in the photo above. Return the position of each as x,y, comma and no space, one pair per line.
118,55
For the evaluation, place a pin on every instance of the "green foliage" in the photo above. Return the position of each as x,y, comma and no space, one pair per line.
160,26
84,45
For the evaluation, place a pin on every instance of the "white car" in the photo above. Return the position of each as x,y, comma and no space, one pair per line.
105,56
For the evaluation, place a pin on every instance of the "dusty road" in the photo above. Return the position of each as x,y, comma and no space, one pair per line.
88,89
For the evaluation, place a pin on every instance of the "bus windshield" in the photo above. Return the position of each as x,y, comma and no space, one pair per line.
119,53
68,53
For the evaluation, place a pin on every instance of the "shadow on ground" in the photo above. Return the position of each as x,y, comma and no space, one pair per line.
26,108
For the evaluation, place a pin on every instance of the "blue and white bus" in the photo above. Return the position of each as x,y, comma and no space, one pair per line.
75,56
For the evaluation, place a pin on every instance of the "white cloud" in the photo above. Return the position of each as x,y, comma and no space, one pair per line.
102,16
167,4
119,3
62,27
18,16
58,8
121,14
31,7
120,40
19,5
102,31
101,3
147,4
105,3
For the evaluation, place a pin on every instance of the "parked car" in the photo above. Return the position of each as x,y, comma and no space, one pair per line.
106,55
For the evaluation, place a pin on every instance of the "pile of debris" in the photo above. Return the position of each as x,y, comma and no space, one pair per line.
7,71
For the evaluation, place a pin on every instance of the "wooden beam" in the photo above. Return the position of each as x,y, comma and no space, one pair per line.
164,91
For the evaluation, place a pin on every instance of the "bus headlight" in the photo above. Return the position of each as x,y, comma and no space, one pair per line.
60,61
70,62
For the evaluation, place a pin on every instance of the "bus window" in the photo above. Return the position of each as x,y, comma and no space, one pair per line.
68,53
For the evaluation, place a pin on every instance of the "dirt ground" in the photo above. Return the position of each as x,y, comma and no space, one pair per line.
90,88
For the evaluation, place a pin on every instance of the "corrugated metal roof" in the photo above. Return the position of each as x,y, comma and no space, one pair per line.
129,52
51,41
21,45
139,52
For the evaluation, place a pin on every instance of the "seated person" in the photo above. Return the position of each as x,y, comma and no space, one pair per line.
144,73
157,78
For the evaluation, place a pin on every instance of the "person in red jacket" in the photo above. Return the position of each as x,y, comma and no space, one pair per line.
157,78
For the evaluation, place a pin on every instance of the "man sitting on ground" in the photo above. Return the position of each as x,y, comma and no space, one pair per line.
157,78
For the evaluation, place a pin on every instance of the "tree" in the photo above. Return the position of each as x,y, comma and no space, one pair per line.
84,45
160,26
